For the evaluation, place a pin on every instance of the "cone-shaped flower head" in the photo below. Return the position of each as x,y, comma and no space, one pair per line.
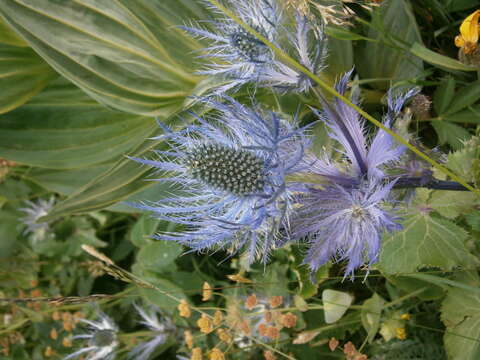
345,219
102,339
232,171
238,55
161,326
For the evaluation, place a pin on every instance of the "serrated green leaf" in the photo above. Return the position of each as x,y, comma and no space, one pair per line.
451,134
461,315
441,61
466,162
394,20
371,313
23,74
425,241
126,54
62,128
444,94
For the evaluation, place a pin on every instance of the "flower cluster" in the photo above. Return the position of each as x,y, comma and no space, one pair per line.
233,173
240,58
237,171
103,336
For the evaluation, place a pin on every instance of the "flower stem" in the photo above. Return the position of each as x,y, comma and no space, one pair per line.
419,182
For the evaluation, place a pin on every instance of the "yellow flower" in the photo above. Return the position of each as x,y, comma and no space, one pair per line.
184,309
216,354
207,292
469,32
205,324
401,333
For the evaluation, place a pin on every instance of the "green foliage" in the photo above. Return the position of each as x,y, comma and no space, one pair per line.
393,27
125,54
460,314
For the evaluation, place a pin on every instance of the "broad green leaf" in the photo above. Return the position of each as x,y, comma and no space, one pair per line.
409,284
444,94
451,204
466,96
395,21
450,134
343,34
10,37
62,128
159,256
126,54
425,241
23,74
461,316
66,182
441,61
335,304
371,313
142,230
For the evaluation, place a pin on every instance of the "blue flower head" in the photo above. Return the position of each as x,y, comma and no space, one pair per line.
232,172
238,55
310,46
345,219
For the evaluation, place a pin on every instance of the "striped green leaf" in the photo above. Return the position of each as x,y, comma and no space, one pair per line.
129,55
62,128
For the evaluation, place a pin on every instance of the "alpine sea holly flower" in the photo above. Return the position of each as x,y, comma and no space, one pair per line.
310,44
161,328
35,210
102,339
238,55
232,171
345,219
344,223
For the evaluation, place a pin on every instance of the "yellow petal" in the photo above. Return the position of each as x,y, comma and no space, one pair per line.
470,28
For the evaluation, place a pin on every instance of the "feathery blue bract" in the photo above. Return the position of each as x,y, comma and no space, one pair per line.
310,45
102,339
232,171
238,55
160,326
346,218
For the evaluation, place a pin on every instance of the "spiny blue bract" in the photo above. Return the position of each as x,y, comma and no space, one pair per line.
236,53
345,219
231,172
